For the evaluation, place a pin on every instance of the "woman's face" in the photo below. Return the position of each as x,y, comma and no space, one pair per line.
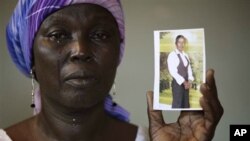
180,44
76,53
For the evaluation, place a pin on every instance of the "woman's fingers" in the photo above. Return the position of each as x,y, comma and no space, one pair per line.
208,113
210,81
209,86
210,102
155,117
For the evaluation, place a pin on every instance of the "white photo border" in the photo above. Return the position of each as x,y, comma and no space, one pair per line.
156,100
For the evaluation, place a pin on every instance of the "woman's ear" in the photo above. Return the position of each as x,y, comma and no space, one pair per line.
119,59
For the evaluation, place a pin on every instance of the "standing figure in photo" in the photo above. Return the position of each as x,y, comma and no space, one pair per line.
181,71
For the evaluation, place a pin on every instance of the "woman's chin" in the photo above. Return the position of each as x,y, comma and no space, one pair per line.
82,99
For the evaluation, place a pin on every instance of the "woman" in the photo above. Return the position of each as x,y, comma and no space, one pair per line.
179,67
73,49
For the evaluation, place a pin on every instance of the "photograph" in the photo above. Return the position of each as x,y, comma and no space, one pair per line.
179,68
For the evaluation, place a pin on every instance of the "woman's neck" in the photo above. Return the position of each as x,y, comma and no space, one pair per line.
63,124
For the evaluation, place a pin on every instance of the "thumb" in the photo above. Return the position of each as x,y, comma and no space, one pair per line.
155,117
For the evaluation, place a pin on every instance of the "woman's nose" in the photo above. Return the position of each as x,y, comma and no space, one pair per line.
81,52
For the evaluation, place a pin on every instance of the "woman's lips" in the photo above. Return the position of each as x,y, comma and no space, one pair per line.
80,79
80,82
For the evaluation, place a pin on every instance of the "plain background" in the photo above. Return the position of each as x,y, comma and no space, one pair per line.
227,30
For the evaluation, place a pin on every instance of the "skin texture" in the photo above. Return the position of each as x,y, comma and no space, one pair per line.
191,125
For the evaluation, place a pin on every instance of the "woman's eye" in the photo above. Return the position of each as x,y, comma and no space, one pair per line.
59,36
99,36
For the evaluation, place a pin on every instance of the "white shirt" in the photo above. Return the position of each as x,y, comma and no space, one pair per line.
173,62
142,135
4,136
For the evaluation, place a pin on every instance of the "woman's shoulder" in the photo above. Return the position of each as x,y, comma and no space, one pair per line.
124,131
172,55
19,131
4,136
142,134
129,131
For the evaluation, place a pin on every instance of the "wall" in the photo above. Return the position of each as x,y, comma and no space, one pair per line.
227,31
15,89
2,45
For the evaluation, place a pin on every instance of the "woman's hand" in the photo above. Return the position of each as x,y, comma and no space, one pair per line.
191,125
187,85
